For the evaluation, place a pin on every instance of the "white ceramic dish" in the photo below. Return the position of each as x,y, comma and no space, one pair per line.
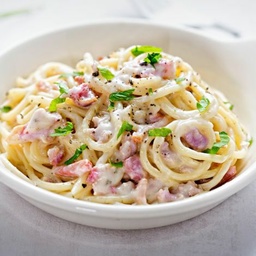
228,66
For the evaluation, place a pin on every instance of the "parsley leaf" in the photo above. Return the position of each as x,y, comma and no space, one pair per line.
63,87
250,142
63,90
54,103
203,104
136,51
231,106
63,131
125,127
159,132
111,106
150,91
117,164
6,109
122,96
78,152
153,58
179,79
224,140
75,73
106,73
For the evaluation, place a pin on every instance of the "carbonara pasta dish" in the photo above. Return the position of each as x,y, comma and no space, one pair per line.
136,127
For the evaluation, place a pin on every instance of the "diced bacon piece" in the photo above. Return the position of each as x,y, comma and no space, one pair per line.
74,170
153,118
55,155
103,130
41,120
137,137
164,196
82,95
160,123
230,175
154,186
182,191
128,147
39,127
79,79
170,157
141,191
113,189
165,69
43,86
93,175
133,168
40,124
125,188
196,140
104,179
186,190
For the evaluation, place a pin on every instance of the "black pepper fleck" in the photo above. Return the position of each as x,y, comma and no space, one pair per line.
96,73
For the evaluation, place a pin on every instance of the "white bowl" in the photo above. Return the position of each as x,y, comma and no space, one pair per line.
228,66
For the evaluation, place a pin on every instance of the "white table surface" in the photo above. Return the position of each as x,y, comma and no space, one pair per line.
228,229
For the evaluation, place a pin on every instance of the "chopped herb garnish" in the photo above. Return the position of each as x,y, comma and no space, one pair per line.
63,90
117,164
78,73
153,58
125,127
106,73
122,96
63,87
250,142
74,74
179,79
159,132
144,48
150,91
111,106
63,131
224,140
231,106
78,152
54,103
6,109
203,104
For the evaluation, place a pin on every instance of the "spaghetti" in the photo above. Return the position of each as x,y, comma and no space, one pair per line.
136,127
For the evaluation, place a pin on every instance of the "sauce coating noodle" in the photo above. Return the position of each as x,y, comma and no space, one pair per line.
136,127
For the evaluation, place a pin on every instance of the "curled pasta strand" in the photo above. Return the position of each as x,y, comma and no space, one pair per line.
166,178
147,111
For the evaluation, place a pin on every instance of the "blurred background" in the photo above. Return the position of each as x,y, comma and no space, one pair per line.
224,20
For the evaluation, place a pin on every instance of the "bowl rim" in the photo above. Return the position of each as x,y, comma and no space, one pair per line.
127,211
124,211
129,21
